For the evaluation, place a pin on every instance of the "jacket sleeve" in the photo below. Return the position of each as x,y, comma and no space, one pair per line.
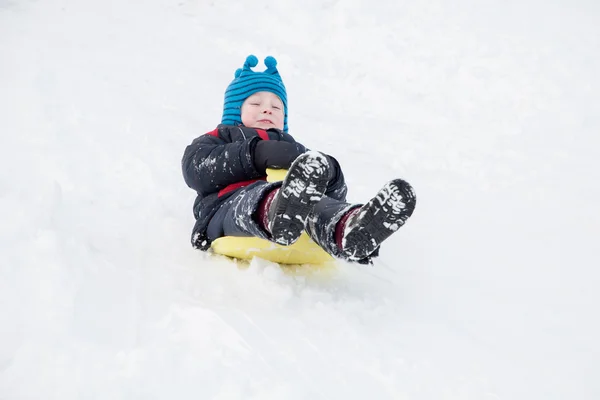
209,163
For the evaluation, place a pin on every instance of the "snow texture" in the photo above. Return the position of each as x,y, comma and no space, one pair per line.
490,109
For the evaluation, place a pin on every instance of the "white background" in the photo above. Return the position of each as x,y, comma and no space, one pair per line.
489,108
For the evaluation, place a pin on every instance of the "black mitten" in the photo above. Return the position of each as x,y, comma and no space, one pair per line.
275,154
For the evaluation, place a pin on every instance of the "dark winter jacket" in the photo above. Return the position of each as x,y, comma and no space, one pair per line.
219,163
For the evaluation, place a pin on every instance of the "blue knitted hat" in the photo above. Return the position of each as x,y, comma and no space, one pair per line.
248,82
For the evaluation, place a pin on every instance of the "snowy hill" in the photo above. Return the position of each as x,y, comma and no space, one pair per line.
490,109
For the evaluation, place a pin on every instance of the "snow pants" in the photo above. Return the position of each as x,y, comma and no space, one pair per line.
236,217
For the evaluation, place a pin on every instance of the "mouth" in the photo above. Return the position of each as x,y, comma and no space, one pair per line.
265,121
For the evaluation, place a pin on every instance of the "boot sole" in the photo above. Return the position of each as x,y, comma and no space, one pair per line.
377,220
303,186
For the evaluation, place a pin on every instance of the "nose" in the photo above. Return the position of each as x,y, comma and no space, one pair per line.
267,110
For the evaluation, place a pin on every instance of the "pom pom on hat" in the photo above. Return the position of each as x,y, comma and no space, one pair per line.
251,61
248,82
270,62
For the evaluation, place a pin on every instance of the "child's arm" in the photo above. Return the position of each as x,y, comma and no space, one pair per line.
280,154
209,163
276,154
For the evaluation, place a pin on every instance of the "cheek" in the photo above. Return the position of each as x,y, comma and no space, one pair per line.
280,118
246,113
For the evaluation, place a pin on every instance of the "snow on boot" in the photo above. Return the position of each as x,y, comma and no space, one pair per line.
302,188
368,226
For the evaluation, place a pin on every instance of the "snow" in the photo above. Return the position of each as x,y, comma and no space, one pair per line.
490,109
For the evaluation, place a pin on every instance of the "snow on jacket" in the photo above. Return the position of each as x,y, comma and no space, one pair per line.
219,163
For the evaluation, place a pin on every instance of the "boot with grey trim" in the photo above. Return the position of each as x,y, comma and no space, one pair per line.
362,230
303,186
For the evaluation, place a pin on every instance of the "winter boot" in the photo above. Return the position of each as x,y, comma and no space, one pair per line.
286,208
360,232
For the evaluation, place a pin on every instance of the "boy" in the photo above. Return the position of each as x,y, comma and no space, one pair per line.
227,169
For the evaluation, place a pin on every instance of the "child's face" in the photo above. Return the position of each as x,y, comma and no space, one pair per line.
263,110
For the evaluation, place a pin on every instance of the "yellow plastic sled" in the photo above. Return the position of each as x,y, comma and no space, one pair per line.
304,251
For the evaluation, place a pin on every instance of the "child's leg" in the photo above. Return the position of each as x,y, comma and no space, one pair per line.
303,186
276,211
235,216
355,232
322,221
